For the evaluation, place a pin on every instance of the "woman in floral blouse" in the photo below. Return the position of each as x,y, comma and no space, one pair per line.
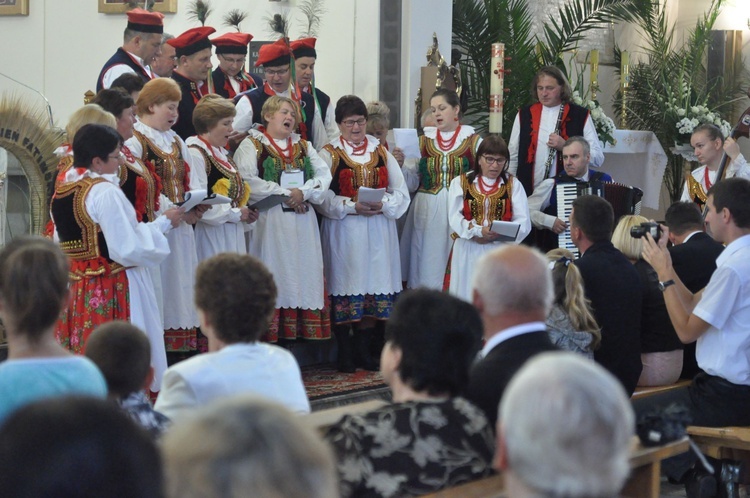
429,438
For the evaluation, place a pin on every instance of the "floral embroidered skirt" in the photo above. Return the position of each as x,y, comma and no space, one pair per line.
185,341
93,301
347,309
295,323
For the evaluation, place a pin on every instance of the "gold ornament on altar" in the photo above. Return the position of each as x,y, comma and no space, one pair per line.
436,75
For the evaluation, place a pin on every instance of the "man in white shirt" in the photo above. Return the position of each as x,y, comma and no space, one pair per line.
540,130
718,317
141,42
235,296
513,294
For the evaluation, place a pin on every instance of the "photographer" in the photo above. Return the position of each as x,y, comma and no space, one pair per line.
661,349
719,317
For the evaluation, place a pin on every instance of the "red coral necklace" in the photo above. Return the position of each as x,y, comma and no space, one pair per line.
357,150
446,145
286,152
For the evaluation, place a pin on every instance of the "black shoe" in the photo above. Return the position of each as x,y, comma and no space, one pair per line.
362,356
700,484
345,356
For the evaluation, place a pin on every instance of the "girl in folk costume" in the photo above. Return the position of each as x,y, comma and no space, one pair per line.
360,243
97,228
448,151
157,145
476,199
709,145
276,161
222,228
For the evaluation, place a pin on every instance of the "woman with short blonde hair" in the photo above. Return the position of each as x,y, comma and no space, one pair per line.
661,349
222,228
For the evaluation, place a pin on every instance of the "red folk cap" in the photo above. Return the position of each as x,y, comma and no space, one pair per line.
274,54
232,43
304,47
145,22
192,41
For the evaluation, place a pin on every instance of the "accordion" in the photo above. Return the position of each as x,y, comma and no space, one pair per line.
623,198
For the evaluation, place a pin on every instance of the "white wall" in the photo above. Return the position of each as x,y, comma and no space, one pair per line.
61,46
421,18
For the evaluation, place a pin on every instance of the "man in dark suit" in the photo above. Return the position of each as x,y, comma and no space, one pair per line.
694,255
513,294
612,285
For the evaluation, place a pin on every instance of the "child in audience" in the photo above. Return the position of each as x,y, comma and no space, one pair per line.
123,354
570,323
33,292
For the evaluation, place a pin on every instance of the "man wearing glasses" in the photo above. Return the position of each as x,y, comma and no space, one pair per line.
275,59
230,78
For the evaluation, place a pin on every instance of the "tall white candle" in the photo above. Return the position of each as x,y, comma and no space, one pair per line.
497,77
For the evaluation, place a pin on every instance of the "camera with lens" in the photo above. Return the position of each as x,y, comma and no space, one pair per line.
646,227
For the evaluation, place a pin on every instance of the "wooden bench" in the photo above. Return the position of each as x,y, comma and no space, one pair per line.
643,482
722,442
644,392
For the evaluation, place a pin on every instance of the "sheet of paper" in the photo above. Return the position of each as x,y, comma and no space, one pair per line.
407,140
294,178
508,230
201,196
365,194
193,198
269,202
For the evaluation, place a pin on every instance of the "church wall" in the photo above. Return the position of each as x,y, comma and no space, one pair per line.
61,46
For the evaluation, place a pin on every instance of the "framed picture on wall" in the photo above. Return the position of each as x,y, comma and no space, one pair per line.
14,7
121,6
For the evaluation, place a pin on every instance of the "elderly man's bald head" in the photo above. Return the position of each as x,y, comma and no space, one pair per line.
513,278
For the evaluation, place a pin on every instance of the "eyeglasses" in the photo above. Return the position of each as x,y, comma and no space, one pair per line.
119,156
349,123
276,72
492,160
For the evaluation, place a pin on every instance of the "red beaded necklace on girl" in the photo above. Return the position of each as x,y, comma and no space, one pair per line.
217,158
488,189
446,145
357,150
286,152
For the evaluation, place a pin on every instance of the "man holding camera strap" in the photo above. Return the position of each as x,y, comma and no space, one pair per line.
718,317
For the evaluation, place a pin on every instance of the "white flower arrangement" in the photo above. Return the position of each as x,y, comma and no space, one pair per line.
605,127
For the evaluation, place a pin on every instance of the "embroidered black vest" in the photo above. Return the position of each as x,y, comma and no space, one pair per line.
349,175
219,175
170,167
121,57
500,205
271,164
571,126
460,160
142,190
80,238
